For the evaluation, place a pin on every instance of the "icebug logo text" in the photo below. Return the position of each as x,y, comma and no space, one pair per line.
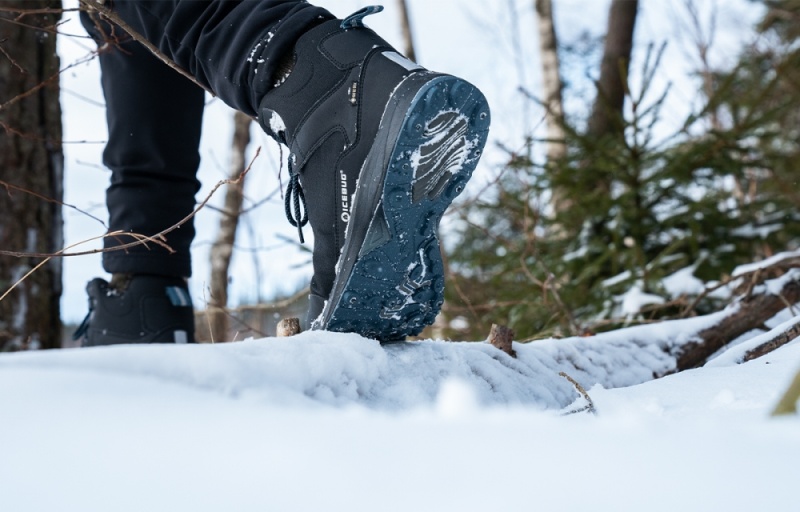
345,198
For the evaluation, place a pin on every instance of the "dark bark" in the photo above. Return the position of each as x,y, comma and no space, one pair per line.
606,117
288,327
751,315
773,344
222,250
405,25
501,337
31,158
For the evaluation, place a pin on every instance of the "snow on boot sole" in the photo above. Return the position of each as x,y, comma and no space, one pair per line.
390,276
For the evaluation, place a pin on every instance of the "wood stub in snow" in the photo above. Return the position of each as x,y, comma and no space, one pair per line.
773,344
752,314
501,337
288,327
788,402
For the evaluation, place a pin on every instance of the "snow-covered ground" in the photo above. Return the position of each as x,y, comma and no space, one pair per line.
327,421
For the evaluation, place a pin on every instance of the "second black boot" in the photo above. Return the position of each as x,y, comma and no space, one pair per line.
137,309
380,147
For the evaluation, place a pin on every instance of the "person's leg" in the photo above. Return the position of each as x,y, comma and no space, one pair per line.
154,119
380,145
233,48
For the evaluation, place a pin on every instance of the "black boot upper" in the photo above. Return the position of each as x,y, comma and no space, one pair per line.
328,111
150,309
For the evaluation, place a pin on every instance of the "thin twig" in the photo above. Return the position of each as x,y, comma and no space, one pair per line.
46,81
47,140
747,277
10,187
158,238
39,265
112,16
590,403
11,59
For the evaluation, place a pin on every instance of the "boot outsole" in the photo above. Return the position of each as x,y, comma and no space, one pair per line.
390,276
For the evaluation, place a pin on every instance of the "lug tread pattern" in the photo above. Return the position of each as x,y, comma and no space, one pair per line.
397,289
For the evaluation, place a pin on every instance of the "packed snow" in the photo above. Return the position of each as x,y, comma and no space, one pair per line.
325,421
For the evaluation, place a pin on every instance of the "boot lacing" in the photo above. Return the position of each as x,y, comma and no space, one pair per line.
294,198
84,327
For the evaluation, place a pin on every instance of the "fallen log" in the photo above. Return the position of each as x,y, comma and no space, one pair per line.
637,354
773,343
750,314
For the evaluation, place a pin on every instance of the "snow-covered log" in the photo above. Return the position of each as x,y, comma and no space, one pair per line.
749,314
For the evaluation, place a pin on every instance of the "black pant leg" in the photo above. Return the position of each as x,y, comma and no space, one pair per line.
154,120
233,47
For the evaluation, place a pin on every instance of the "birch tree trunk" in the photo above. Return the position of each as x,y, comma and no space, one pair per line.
222,249
31,159
552,87
551,80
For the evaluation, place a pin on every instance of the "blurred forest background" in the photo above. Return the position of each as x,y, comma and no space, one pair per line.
609,207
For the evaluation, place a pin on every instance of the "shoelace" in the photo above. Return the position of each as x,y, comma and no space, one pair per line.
81,330
293,199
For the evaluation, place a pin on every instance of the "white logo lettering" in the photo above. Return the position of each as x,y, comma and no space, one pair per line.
345,198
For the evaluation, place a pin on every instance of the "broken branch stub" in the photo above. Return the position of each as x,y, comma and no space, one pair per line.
288,327
501,337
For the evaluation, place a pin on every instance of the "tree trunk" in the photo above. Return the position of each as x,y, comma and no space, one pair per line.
405,23
551,89
222,250
606,117
551,80
750,315
31,159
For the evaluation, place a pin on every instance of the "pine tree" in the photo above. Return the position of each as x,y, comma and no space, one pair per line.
699,202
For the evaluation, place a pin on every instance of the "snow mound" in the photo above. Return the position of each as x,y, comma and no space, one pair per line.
325,421
314,369
329,369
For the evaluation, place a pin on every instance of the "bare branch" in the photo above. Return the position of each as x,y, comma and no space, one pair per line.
100,7
46,81
773,344
158,238
9,187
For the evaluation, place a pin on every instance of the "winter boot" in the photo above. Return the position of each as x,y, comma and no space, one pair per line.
137,309
380,147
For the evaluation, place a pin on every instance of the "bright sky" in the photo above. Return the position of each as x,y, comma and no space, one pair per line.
470,38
